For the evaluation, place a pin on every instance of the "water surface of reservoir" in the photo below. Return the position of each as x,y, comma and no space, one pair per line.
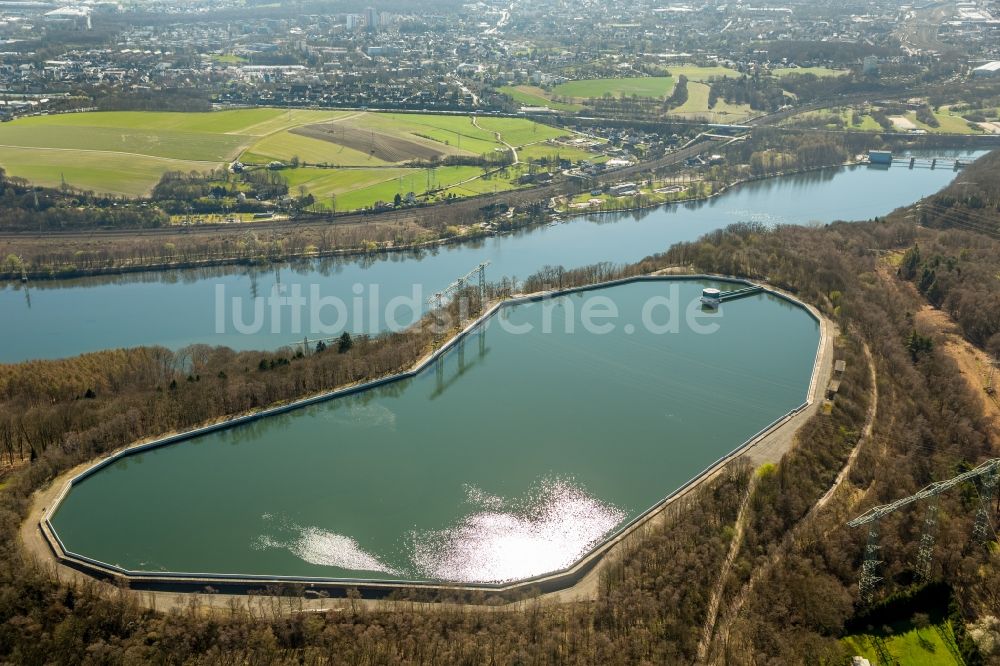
523,453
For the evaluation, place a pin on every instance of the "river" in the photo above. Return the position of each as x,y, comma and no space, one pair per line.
216,306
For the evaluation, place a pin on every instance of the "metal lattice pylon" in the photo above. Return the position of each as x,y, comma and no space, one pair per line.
985,473
458,285
983,530
869,568
925,556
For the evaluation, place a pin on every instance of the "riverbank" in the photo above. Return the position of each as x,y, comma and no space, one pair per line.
50,274
722,189
768,444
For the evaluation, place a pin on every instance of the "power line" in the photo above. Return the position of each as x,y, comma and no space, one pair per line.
985,473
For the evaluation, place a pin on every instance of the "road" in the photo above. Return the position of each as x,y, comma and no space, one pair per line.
499,138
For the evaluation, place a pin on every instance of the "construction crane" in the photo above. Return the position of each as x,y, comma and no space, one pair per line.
985,473
437,300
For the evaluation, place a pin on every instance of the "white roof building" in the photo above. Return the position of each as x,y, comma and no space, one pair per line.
989,69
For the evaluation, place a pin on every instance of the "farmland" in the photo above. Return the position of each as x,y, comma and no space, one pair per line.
696,106
376,153
821,72
698,73
125,153
644,86
393,135
569,96
532,96
366,157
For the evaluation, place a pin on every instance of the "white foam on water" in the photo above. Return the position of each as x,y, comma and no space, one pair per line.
547,532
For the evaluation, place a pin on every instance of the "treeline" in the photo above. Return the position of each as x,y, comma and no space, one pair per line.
174,99
492,160
218,191
679,95
956,270
760,93
630,107
768,152
925,115
28,207
843,54
76,255
96,402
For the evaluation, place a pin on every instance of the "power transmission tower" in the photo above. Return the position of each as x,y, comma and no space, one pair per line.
869,580
985,473
437,300
984,528
925,557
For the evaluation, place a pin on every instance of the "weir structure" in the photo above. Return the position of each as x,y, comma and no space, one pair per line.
986,474
166,581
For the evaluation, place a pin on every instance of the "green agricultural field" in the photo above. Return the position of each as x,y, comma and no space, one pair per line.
213,122
697,106
518,132
949,124
493,183
228,59
450,135
197,146
322,183
112,173
532,96
126,153
823,118
648,86
456,133
868,124
361,188
279,120
931,646
547,150
821,72
696,73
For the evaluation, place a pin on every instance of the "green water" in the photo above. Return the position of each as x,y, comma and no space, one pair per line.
516,459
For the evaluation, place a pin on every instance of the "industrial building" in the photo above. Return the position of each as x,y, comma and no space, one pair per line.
879,157
989,69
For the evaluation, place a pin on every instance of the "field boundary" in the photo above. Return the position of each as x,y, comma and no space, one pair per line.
545,583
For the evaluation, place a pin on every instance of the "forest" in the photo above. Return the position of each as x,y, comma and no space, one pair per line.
791,590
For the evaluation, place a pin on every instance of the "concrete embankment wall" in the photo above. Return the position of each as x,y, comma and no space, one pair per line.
244,584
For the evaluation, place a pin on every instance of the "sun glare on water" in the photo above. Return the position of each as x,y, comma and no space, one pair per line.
499,541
